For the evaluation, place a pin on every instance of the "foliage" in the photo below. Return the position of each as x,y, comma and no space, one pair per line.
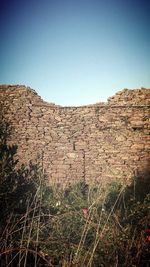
78,226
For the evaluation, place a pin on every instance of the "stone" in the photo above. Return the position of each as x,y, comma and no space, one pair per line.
98,143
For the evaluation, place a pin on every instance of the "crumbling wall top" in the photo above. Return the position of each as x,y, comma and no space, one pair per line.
134,97
125,97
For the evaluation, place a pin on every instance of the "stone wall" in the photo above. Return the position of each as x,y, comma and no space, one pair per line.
100,142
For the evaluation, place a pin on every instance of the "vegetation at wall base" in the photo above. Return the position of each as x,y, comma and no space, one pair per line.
77,226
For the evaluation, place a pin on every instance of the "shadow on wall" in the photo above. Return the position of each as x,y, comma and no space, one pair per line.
140,186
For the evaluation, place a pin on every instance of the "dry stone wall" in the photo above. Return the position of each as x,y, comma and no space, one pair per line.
95,143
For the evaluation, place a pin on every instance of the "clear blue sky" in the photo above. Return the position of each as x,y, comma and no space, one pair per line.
75,52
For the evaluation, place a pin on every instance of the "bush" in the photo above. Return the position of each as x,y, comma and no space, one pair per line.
80,225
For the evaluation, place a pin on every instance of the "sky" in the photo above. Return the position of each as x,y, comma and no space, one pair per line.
75,52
